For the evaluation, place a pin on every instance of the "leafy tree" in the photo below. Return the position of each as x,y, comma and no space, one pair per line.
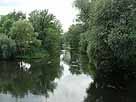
7,21
23,34
73,35
111,27
108,36
7,47
48,29
84,16
37,35
41,19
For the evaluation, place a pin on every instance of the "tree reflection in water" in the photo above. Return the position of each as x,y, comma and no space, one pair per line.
38,80
113,81
112,90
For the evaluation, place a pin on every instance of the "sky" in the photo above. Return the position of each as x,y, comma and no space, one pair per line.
62,9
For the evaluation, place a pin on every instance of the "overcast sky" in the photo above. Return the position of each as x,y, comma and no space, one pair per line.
62,9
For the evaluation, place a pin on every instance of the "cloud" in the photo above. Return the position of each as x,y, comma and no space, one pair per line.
62,9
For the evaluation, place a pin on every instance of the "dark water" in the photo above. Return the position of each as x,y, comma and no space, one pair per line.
113,81
66,79
51,80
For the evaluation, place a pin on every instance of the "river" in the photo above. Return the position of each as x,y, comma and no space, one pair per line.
39,81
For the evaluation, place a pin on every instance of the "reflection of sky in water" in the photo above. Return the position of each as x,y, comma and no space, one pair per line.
70,88
28,98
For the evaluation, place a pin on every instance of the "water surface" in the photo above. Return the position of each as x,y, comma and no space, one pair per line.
42,81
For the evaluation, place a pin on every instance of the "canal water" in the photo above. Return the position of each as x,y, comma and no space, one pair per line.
42,81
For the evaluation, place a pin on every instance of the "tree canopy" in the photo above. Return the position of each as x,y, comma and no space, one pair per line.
107,34
36,36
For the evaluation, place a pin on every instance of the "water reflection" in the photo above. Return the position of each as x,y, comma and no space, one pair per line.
45,80
71,86
116,83
75,62
24,65
36,77
80,63
107,91
112,81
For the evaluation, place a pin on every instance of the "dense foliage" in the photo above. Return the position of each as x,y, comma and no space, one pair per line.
107,34
106,47
48,29
7,47
33,37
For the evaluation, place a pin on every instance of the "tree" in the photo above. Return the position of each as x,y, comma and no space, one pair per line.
48,29
7,21
106,35
111,28
84,16
7,47
23,33
73,35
